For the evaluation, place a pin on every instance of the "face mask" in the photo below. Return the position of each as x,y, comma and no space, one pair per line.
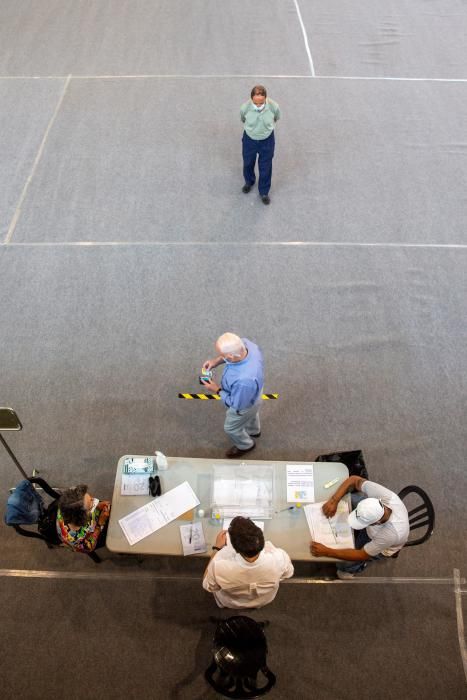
259,108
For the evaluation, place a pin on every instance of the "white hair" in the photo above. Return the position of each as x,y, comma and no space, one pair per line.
231,344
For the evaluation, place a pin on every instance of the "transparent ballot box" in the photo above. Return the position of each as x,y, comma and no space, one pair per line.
241,489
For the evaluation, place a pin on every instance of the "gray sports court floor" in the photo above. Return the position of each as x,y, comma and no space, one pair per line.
127,247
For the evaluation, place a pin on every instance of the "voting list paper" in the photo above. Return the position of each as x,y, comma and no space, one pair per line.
192,536
300,483
333,532
154,515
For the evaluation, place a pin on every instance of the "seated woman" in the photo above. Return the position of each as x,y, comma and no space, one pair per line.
82,520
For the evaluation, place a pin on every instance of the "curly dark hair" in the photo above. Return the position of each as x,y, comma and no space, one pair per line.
71,504
259,90
246,537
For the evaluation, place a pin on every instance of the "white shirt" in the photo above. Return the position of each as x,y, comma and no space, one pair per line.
237,583
389,537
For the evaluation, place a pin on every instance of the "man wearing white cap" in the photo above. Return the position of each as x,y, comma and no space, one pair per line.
381,522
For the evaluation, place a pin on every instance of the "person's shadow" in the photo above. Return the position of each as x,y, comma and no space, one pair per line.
195,656
193,686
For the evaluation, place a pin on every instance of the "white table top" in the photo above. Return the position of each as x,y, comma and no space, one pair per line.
287,529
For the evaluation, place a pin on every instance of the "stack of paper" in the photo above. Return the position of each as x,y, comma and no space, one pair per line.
192,536
159,512
135,485
333,532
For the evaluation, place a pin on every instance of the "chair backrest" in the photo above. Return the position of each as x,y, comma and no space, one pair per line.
239,655
422,515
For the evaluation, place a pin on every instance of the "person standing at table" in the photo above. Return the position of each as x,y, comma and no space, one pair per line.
381,522
240,389
259,115
245,572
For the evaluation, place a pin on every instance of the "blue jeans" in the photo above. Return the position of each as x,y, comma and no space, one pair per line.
265,150
361,538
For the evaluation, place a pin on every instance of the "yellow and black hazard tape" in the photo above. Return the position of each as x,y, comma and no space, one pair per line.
216,397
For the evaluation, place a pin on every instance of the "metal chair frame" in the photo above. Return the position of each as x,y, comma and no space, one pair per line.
420,516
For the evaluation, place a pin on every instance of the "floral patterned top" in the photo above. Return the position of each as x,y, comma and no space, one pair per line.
85,539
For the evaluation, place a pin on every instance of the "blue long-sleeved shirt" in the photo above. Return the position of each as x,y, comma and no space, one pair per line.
242,382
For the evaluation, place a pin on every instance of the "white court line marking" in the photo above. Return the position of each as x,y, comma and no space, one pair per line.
143,76
400,79
142,576
259,244
217,76
17,213
460,620
375,580
305,39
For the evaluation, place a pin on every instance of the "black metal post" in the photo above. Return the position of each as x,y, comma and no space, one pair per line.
13,457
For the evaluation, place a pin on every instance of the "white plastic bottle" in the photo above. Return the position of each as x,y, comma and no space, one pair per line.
161,461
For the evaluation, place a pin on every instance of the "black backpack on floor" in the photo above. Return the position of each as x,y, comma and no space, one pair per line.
353,460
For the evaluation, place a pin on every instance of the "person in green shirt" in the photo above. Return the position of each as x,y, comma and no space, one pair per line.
259,116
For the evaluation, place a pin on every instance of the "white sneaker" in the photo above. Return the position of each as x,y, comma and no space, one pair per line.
344,575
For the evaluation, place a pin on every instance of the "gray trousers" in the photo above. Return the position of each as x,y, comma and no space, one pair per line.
240,426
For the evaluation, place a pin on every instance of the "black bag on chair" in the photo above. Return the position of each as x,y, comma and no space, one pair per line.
353,460
47,525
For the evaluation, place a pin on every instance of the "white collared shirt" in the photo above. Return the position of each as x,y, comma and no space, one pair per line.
237,583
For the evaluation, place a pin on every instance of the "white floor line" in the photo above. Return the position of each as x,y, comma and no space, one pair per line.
236,244
218,76
17,213
98,575
305,39
144,76
147,575
378,580
460,620
397,79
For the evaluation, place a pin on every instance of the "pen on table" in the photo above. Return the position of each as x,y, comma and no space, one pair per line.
284,509
331,483
333,532
191,533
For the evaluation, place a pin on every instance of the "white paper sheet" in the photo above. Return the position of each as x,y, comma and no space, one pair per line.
333,532
300,483
159,512
192,536
135,485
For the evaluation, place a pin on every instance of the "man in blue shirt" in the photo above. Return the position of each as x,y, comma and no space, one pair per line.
240,389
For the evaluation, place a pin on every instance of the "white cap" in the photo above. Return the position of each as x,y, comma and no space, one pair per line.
368,512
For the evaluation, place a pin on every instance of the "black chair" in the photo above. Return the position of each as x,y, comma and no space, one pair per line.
423,515
46,527
239,655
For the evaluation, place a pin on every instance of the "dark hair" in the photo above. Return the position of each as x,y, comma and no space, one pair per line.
259,90
246,537
71,504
